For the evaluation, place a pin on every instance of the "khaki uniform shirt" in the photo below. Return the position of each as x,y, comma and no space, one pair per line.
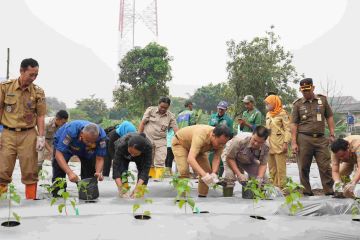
354,146
279,126
240,151
50,129
156,125
21,107
310,116
197,138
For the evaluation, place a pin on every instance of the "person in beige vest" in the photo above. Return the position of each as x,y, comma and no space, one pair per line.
22,107
155,123
345,156
277,120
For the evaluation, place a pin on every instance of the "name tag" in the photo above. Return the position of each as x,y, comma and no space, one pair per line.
318,117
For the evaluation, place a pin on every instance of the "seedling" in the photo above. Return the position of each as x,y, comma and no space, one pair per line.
355,209
183,188
12,197
82,186
125,181
254,186
59,186
140,192
43,176
339,186
292,200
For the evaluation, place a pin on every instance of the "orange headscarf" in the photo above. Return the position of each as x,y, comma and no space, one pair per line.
275,101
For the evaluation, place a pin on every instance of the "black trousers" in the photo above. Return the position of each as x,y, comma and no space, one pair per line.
169,158
113,136
87,170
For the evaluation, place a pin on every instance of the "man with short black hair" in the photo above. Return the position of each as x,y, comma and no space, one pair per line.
190,146
345,155
52,124
22,107
155,123
250,154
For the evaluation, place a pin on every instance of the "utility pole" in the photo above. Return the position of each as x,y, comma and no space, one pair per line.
7,63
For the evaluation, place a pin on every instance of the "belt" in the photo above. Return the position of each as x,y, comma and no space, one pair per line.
17,129
314,135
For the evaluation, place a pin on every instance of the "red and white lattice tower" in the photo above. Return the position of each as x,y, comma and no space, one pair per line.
129,18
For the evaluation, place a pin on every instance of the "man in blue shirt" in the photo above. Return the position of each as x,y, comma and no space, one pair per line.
85,140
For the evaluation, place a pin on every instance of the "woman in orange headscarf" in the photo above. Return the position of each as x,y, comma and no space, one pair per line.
277,120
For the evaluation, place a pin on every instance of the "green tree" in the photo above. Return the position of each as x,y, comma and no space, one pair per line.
144,73
258,66
208,97
95,108
77,114
177,105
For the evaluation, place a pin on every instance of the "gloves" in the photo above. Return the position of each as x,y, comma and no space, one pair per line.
242,178
124,193
260,179
40,143
209,180
215,177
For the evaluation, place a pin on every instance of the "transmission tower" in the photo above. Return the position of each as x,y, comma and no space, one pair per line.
129,17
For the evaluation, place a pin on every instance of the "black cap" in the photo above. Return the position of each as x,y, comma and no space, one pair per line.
306,81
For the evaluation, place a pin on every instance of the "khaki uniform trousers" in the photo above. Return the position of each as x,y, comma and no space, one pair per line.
159,152
22,145
310,147
181,156
277,169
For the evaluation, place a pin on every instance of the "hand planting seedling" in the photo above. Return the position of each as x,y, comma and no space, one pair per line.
59,186
125,188
292,200
140,192
254,186
12,197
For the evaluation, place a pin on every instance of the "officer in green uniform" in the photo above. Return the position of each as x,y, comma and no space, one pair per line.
251,118
220,118
308,126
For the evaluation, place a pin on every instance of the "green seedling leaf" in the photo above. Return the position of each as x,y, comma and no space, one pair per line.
149,201
16,216
147,213
60,192
136,207
53,201
191,202
65,195
73,204
15,198
181,203
60,207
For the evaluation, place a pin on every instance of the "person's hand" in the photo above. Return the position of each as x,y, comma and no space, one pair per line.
123,192
349,188
260,179
215,177
208,180
40,143
285,148
332,138
99,176
241,122
73,177
295,148
242,178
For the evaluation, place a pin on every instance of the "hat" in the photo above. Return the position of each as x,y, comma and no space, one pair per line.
248,98
223,105
306,84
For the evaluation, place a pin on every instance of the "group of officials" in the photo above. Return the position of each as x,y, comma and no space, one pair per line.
208,151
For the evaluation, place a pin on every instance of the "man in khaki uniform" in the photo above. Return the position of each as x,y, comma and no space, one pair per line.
277,120
345,155
52,124
249,154
190,147
22,107
155,123
308,127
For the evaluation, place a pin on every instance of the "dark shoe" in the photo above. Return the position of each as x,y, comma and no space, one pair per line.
308,194
202,196
329,194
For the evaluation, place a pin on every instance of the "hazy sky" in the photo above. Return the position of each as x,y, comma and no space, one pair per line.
195,32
